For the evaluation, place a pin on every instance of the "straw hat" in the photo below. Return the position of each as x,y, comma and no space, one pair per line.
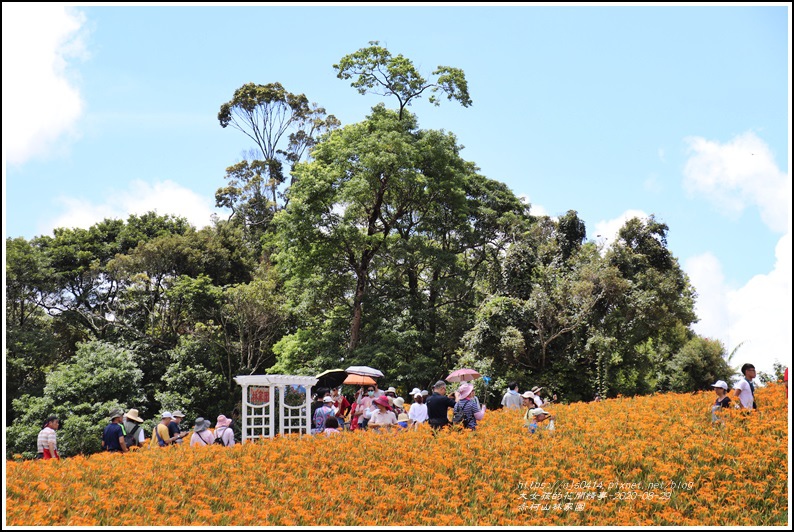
133,415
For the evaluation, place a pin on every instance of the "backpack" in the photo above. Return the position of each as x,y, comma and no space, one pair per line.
131,438
457,413
219,439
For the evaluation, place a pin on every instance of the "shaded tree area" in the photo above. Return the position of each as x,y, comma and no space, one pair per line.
373,244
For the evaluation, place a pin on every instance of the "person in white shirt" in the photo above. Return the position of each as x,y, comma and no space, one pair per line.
744,389
384,417
539,402
418,412
511,398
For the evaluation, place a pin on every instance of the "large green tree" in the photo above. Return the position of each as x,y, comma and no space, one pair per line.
284,126
377,71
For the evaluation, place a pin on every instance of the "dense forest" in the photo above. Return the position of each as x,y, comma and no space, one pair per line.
372,243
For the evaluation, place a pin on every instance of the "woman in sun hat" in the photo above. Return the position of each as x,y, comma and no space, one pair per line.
134,435
466,409
223,430
723,401
201,433
398,404
384,417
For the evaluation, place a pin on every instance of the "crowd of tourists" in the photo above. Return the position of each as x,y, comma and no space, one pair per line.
370,409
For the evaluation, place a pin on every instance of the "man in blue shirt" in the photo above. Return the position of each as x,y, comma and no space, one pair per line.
113,435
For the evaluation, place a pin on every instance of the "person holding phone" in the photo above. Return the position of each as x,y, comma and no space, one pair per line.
175,432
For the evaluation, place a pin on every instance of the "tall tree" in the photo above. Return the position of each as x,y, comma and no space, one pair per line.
283,126
378,72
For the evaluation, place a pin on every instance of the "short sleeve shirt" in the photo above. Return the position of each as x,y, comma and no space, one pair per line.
745,393
46,436
111,437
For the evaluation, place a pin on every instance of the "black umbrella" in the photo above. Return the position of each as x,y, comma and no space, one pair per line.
331,378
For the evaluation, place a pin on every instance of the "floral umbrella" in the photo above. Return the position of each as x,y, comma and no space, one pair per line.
463,375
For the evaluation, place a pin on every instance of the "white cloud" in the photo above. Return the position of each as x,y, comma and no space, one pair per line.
40,102
164,198
535,208
606,231
756,315
738,174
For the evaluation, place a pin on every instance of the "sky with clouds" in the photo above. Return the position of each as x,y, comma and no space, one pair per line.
681,112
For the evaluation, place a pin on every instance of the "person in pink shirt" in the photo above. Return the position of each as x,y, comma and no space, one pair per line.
223,430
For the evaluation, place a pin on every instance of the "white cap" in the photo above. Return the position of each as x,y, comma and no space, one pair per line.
720,384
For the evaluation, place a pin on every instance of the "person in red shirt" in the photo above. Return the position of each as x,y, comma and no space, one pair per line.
341,406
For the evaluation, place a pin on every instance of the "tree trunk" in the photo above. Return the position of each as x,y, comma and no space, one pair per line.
355,323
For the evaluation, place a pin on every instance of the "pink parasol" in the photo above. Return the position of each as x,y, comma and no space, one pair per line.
463,375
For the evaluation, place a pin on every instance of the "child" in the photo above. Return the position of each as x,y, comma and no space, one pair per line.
402,420
331,426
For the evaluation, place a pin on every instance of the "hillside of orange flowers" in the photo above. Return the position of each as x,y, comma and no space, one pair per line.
654,460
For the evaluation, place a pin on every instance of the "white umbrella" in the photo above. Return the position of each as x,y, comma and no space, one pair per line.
364,370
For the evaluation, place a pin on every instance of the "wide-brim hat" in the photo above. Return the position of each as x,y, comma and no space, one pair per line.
536,389
398,402
425,393
415,392
133,415
465,390
177,413
222,421
391,389
201,424
402,417
383,401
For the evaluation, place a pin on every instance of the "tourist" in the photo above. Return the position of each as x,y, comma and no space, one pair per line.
201,433
745,389
722,401
466,409
331,426
438,406
418,411
384,417
322,414
113,435
223,430
173,427
538,415
47,440
341,406
511,398
133,431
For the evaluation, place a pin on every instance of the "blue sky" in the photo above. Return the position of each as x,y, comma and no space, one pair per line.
681,112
